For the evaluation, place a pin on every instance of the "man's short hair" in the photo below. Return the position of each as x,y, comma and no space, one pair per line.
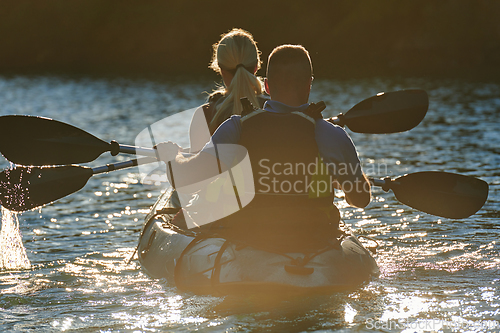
289,63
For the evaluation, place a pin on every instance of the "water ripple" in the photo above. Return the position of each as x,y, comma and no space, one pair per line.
433,268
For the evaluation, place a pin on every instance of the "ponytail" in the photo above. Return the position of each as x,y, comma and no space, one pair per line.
236,53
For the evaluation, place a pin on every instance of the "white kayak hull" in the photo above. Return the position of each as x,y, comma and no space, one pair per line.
215,265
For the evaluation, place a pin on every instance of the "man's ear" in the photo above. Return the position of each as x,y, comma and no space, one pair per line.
266,86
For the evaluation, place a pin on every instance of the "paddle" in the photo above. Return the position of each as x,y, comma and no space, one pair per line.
25,188
438,193
29,140
389,112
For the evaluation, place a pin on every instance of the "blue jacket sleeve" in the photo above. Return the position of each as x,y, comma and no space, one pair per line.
338,151
226,138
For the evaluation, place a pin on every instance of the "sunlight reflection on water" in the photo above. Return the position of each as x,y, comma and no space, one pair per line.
432,268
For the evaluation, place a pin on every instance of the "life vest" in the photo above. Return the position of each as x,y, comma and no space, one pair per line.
288,213
210,108
286,165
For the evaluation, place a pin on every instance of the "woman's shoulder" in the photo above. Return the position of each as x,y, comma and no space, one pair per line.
215,97
209,107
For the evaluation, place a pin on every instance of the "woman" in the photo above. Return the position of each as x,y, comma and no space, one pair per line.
236,58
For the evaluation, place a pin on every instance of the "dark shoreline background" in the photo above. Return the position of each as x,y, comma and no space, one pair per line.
347,39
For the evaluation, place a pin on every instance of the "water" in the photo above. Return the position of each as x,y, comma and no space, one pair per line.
437,274
12,252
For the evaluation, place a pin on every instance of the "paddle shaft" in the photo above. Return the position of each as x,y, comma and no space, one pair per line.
126,149
43,141
132,163
123,165
437,193
377,182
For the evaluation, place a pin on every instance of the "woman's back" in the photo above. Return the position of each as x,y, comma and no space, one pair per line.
236,58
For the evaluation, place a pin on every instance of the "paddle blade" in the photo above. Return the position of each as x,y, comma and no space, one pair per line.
25,188
389,112
29,140
440,193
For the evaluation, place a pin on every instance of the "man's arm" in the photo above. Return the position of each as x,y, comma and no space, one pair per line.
193,169
359,195
338,151
206,164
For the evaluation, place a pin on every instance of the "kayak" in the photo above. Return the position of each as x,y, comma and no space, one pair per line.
209,264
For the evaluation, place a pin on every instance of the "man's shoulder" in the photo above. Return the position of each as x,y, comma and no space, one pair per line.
334,143
327,128
229,131
229,124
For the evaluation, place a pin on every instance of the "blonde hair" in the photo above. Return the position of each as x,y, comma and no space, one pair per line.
236,52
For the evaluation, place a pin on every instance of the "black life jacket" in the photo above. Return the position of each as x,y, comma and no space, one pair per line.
285,160
283,218
210,108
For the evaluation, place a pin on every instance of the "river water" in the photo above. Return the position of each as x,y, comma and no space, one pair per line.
436,274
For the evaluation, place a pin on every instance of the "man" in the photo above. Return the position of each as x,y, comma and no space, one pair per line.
296,162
